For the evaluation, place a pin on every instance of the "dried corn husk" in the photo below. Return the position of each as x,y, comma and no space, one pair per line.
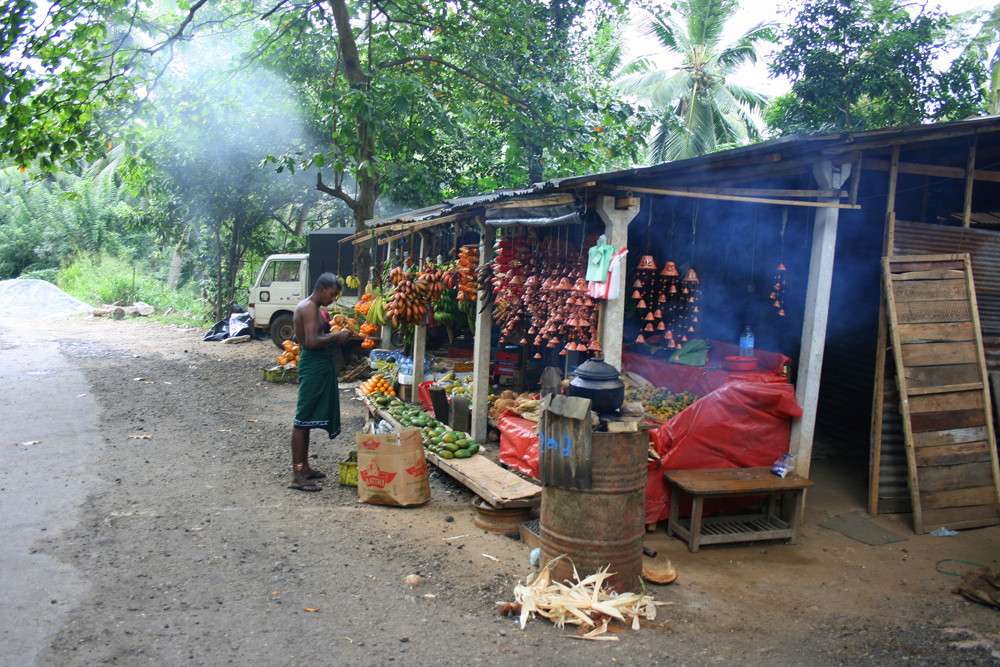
586,603
508,394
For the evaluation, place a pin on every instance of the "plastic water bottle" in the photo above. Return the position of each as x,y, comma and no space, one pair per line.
746,342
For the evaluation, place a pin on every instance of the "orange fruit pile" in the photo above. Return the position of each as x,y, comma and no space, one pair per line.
290,354
377,383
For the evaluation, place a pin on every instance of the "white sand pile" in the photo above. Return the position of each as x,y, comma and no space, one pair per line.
27,298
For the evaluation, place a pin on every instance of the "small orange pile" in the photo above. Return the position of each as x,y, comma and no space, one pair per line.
368,343
377,383
367,329
290,355
364,305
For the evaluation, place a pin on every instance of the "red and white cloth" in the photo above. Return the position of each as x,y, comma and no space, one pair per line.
610,287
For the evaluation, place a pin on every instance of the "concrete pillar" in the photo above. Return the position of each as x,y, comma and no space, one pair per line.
824,245
612,315
481,346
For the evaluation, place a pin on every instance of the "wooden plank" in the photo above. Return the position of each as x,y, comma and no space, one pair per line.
933,170
939,354
930,290
948,455
979,495
934,479
532,203
951,436
499,487
767,192
751,200
970,170
915,273
933,311
935,376
962,517
951,402
735,481
928,332
939,421
564,442
945,389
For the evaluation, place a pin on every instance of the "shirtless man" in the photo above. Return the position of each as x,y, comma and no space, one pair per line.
318,403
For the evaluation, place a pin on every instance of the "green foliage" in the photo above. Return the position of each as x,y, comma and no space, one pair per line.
700,106
44,222
103,279
866,64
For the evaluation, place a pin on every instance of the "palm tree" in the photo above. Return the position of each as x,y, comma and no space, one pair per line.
699,104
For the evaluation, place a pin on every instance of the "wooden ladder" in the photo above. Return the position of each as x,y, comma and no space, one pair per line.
944,392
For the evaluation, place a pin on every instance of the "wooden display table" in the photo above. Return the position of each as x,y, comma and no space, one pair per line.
735,483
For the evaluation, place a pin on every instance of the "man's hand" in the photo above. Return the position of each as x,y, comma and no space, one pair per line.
341,336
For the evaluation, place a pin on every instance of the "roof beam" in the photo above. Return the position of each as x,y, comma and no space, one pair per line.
932,170
751,200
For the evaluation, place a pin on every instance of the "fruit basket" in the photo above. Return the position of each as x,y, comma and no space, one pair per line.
279,374
349,470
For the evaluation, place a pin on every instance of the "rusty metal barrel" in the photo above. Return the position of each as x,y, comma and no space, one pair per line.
603,525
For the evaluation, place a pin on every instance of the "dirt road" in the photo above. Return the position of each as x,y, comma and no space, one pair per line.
150,524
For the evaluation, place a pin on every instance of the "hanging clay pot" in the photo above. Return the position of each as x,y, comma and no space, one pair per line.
538,355
637,284
691,276
646,263
662,297
658,314
594,347
669,269
641,305
649,317
640,339
649,327
661,326
638,295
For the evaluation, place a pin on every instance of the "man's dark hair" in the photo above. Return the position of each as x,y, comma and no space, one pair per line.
328,280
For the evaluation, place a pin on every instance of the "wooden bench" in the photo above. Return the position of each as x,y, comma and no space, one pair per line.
735,483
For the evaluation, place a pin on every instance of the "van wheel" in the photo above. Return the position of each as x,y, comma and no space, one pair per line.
282,329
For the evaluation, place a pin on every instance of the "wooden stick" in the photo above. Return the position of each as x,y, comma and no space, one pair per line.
753,200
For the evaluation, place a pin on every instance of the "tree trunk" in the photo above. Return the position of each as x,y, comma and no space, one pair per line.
367,176
176,264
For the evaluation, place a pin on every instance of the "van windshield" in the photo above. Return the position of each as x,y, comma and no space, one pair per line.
280,272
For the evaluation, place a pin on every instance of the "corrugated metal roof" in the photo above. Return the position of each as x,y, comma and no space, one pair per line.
761,156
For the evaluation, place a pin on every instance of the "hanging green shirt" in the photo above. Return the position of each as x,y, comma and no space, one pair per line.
599,260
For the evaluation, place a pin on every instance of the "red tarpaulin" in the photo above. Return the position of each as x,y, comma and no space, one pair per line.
742,420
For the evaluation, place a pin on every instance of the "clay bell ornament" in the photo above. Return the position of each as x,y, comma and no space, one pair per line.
646,263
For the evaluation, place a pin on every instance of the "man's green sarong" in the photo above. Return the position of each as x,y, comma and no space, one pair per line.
319,400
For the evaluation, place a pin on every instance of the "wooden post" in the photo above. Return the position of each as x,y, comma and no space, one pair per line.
481,345
878,399
612,315
419,341
824,243
387,327
970,170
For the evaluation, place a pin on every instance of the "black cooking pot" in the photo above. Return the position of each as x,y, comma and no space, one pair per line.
599,381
